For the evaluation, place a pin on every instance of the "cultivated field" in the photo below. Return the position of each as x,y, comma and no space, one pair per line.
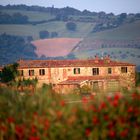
55,47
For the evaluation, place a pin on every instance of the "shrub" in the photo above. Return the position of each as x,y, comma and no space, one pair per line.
71,26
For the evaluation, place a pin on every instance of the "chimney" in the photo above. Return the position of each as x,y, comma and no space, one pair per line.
107,58
96,59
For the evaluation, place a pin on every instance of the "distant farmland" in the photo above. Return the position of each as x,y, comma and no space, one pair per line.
55,47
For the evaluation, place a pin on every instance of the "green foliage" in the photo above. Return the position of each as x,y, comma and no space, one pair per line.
44,34
71,26
13,48
9,73
138,79
16,18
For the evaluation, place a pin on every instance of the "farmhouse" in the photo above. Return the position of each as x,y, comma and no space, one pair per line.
66,75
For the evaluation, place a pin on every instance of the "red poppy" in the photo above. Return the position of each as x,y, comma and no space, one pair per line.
33,129
3,128
62,103
46,124
84,100
115,103
87,132
34,138
10,120
19,130
95,120
102,106
112,133
130,109
124,133
106,117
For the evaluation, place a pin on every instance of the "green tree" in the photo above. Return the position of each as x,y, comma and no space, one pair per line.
9,73
71,26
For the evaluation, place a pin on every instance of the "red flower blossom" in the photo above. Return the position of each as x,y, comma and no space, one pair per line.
106,117
95,120
102,106
62,103
115,103
20,130
33,129
10,120
87,132
34,138
3,128
134,96
130,109
111,124
46,124
92,97
59,114
124,133
84,100
117,96
112,133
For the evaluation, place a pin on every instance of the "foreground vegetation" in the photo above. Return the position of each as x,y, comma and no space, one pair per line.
45,115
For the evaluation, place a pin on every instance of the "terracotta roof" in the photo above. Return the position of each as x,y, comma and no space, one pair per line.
76,80
70,63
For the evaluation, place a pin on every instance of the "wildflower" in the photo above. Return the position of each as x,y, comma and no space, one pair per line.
102,106
59,114
87,132
62,103
84,100
34,138
106,117
115,103
19,130
10,120
46,124
111,124
33,129
117,96
92,96
112,133
95,120
124,133
3,128
130,109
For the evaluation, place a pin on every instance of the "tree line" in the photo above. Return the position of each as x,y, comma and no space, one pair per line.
16,18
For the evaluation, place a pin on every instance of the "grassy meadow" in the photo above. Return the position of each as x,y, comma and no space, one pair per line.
45,115
32,15
33,30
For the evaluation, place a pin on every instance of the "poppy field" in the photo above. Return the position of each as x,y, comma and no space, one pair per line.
48,116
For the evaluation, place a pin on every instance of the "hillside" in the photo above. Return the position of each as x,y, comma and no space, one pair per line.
95,33
55,47
122,43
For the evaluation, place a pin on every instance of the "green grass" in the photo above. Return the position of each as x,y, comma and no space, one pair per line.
33,30
32,15
127,31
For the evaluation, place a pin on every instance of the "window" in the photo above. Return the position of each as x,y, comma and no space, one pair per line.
42,72
109,70
76,70
124,69
21,72
31,72
95,71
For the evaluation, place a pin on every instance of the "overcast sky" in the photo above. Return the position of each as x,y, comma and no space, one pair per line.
115,6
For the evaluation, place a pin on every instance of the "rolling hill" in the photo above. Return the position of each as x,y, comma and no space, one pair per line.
116,36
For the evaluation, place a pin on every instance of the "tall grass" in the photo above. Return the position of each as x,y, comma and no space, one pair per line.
48,116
